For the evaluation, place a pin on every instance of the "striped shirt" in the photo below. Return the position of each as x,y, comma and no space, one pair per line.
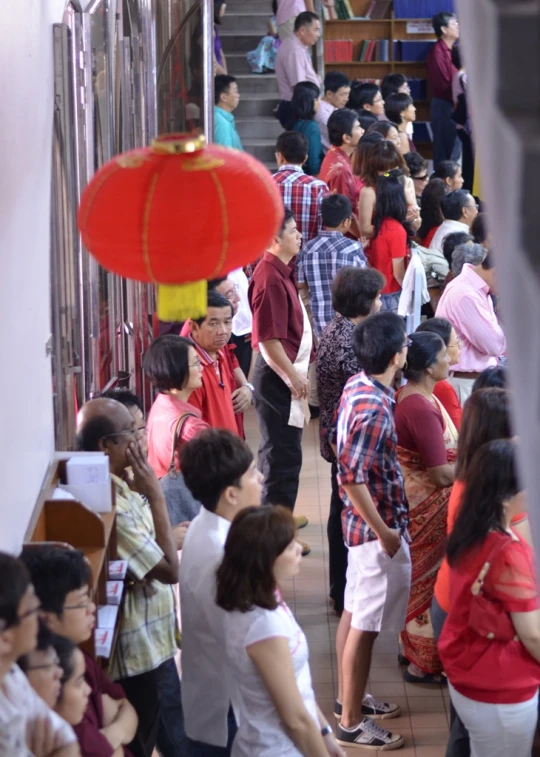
303,196
366,445
147,631
317,266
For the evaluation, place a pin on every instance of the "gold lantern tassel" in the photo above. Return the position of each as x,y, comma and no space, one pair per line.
180,302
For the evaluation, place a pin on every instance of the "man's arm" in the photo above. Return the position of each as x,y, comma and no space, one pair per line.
146,482
277,357
479,325
120,721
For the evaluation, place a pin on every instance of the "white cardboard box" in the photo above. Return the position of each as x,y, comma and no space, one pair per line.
103,639
117,570
87,469
114,592
106,616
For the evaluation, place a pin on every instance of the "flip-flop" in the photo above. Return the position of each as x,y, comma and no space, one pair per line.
429,678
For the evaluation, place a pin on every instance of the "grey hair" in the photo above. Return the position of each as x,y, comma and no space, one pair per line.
467,253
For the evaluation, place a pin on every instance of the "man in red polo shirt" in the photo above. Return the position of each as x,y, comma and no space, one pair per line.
282,335
344,133
217,399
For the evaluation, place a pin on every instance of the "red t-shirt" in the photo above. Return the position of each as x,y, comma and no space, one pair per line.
420,428
389,244
160,426
446,394
91,741
482,669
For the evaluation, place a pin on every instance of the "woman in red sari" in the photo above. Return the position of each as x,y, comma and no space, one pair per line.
427,440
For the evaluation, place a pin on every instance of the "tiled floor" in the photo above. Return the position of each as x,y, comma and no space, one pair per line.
424,709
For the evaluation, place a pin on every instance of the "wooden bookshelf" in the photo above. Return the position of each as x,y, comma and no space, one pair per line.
392,29
69,524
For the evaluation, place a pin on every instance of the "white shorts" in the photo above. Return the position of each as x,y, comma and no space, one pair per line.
378,587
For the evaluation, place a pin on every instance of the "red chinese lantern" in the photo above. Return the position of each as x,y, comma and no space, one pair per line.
178,212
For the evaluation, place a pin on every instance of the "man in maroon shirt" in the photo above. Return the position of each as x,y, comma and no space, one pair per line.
282,335
441,71
344,133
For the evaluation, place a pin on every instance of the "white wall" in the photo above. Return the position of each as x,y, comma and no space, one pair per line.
26,96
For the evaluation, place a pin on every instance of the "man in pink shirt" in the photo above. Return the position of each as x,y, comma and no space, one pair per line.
287,11
467,304
293,61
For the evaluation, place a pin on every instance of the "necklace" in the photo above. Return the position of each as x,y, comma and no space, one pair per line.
426,394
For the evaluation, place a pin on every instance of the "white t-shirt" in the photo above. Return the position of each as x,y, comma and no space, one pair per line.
21,706
260,732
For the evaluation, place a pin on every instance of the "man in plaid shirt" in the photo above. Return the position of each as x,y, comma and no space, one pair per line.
321,259
375,521
301,193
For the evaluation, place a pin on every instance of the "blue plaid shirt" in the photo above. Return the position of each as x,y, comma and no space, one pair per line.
317,266
366,446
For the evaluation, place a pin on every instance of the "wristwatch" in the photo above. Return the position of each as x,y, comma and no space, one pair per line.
327,730
250,386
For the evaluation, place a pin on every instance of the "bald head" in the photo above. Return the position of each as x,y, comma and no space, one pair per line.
105,425
101,407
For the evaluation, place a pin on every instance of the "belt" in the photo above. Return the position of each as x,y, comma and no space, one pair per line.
467,374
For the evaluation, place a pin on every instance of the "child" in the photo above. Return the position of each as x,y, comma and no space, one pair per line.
263,59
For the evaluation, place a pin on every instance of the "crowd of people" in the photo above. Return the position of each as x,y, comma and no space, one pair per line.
427,529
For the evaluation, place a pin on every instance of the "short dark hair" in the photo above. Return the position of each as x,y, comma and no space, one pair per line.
222,82
392,83
306,18
257,537
395,105
65,649
354,290
423,351
14,581
439,326
310,86
212,461
214,283
366,120
493,479
125,396
166,362
430,206
486,416
479,228
287,216
303,103
293,146
362,93
55,571
382,158
214,300
441,19
377,340
340,124
90,433
453,203
335,80
334,210
453,240
415,163
44,642
491,378
446,169
382,128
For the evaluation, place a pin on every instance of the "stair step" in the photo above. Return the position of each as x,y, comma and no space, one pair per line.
239,42
260,106
263,128
262,149
253,23
252,84
237,64
248,6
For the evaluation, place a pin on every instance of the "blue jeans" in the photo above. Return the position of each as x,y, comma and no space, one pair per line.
199,749
171,737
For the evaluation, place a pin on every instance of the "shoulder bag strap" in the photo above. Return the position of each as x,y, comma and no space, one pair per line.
179,425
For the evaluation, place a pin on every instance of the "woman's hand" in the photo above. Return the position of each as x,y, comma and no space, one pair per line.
334,749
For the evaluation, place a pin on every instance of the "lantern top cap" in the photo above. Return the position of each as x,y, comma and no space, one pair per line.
178,144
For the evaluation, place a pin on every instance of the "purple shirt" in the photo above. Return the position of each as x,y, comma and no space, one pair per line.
293,64
441,71
287,9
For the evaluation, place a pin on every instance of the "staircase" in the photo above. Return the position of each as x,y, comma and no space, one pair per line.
242,28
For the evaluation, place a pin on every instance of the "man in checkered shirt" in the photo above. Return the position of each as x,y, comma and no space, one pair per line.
321,259
375,520
302,194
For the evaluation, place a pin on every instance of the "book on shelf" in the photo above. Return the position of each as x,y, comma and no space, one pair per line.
379,9
374,50
338,50
407,50
422,8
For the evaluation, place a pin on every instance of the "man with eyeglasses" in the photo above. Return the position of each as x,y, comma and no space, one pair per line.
147,638
375,522
62,581
459,209
27,724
